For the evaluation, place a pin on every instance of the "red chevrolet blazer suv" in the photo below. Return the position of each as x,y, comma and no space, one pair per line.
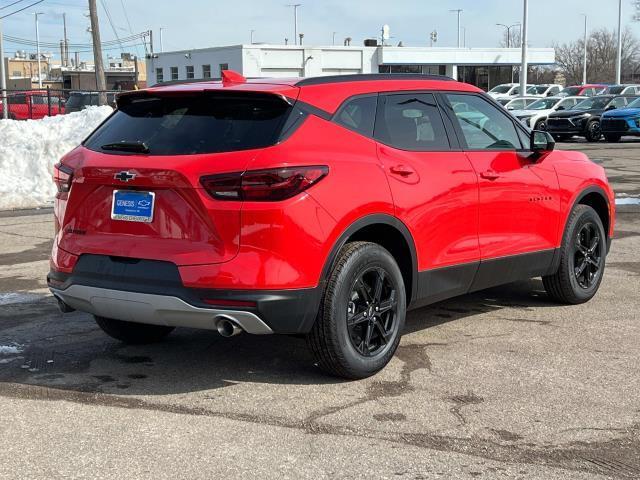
324,207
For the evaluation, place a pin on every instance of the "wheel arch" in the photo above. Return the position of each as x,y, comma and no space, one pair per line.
388,232
596,198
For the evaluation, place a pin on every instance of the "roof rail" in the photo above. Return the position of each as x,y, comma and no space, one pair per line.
366,77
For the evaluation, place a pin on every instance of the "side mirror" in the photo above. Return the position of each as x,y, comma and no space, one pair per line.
611,107
561,108
542,142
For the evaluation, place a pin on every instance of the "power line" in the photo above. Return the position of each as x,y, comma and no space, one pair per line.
113,27
126,17
22,9
11,4
33,43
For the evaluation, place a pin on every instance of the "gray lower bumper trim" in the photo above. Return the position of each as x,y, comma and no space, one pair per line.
154,309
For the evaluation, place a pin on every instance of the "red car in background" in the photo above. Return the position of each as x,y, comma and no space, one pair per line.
588,90
32,105
323,207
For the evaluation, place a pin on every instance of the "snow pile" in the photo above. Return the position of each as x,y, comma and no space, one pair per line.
12,349
29,149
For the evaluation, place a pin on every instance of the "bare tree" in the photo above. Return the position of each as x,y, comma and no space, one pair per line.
515,38
601,57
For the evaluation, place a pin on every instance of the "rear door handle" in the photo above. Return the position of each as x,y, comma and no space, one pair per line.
402,170
490,174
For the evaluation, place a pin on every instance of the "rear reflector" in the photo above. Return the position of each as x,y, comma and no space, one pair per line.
229,303
62,177
263,185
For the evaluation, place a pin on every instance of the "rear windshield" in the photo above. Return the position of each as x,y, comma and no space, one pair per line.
193,124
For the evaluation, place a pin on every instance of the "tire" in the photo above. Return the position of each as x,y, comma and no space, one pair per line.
593,133
133,333
541,125
612,137
340,349
566,286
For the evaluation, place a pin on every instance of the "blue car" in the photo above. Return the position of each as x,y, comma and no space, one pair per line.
624,121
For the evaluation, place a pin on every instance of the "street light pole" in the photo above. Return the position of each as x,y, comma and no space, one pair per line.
38,50
584,60
161,42
295,20
619,58
458,11
524,66
3,79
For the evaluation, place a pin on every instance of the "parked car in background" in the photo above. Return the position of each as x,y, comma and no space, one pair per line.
622,90
78,101
544,90
624,121
588,90
32,105
584,118
506,90
535,116
223,206
518,103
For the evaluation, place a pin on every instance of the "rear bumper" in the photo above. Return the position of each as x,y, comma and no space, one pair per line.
154,309
149,291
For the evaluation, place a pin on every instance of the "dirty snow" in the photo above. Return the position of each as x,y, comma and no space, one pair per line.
8,298
13,349
29,149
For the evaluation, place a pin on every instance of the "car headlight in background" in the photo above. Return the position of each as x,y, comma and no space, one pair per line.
525,119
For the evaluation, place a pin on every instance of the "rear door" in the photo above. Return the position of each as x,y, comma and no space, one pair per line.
434,189
519,199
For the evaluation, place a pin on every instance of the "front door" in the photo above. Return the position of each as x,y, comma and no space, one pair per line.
519,206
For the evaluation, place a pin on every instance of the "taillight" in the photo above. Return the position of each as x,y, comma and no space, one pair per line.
62,176
263,185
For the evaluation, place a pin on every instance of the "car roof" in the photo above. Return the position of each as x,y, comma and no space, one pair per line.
326,93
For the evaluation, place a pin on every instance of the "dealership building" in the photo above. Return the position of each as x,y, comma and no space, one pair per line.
484,67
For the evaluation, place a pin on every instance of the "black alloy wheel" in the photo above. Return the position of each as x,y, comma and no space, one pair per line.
587,258
593,131
372,311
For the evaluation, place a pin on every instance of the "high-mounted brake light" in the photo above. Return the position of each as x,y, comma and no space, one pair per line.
263,185
62,177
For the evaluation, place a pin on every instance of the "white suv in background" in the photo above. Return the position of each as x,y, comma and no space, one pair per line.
535,116
506,90
517,103
544,90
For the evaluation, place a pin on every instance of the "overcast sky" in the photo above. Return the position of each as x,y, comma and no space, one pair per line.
203,23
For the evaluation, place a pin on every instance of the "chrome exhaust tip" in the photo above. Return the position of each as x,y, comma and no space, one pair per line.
227,327
63,307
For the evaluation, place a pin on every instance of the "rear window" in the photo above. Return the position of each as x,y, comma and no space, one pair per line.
194,124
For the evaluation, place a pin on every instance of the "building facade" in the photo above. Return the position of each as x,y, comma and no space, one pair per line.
484,67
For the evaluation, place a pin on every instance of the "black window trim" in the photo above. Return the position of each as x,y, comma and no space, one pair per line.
448,111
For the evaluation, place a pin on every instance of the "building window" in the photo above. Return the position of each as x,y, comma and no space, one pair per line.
190,73
159,75
174,73
206,71
223,66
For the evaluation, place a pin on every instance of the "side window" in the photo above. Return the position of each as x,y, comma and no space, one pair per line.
567,104
554,91
358,114
517,104
618,102
17,99
411,122
483,126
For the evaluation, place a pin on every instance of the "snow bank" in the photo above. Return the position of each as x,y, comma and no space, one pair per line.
29,149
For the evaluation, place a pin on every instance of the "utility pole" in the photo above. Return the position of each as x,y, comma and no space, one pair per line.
619,58
524,66
97,53
3,79
584,60
458,11
295,20
38,50
65,55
